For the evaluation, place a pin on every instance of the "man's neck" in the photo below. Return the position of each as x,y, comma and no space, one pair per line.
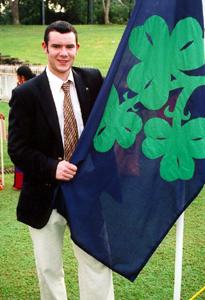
62,76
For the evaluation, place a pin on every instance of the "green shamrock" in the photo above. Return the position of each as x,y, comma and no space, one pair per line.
163,57
117,125
178,146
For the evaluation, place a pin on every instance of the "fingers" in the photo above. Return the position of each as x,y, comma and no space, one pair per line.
68,172
65,170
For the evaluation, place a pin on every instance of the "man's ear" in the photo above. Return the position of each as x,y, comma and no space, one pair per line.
44,46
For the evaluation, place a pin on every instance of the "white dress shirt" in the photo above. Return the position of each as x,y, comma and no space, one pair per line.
58,96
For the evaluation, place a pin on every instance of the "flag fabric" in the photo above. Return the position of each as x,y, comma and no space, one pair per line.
141,157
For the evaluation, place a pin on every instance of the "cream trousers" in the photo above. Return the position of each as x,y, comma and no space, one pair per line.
95,280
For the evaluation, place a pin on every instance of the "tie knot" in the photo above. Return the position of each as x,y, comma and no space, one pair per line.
66,87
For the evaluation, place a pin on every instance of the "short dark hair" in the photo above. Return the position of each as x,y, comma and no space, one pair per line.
60,26
25,71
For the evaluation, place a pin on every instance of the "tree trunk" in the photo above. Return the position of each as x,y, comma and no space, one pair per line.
14,5
90,12
106,10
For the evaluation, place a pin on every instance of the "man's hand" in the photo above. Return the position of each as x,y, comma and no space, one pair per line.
65,170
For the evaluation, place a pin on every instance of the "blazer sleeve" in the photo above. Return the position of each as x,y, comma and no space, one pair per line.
37,166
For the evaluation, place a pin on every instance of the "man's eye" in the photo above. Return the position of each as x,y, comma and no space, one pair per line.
70,46
56,46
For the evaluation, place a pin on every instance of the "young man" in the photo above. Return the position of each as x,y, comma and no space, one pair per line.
47,116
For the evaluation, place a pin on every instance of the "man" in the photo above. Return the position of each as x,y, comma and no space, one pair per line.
39,143
24,73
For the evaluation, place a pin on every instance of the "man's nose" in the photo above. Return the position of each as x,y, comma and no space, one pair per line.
64,51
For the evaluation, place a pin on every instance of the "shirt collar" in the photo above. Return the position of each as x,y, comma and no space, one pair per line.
55,81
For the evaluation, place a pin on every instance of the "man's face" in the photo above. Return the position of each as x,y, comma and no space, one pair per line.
20,79
61,52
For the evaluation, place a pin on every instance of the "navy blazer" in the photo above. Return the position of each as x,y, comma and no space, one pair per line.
35,143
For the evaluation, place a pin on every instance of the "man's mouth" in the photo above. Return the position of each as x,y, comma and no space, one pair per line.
63,61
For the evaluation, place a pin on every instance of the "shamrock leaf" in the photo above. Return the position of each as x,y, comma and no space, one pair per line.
194,130
117,125
146,77
163,56
186,46
178,146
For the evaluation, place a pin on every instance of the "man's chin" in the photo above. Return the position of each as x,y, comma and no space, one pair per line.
64,69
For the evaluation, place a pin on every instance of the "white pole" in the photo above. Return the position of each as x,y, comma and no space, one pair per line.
178,257
2,152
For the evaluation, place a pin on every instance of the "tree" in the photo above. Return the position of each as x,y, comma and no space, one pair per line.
106,10
14,5
30,11
10,10
76,12
117,11
90,12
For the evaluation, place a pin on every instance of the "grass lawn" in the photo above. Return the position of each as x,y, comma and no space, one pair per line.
97,44
17,271
4,108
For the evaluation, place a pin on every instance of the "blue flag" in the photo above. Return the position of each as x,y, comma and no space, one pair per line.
141,156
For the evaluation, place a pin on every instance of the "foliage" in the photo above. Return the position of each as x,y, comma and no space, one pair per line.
5,14
120,11
30,12
73,11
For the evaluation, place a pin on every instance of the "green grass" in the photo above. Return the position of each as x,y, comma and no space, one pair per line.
98,44
4,108
17,271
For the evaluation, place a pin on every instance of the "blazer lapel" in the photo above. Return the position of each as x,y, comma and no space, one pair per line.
83,95
48,106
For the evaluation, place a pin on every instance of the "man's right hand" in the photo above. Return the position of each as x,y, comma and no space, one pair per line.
65,170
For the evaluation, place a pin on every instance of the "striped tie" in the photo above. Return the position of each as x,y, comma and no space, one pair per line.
70,124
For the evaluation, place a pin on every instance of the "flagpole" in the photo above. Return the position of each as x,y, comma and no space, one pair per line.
178,257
